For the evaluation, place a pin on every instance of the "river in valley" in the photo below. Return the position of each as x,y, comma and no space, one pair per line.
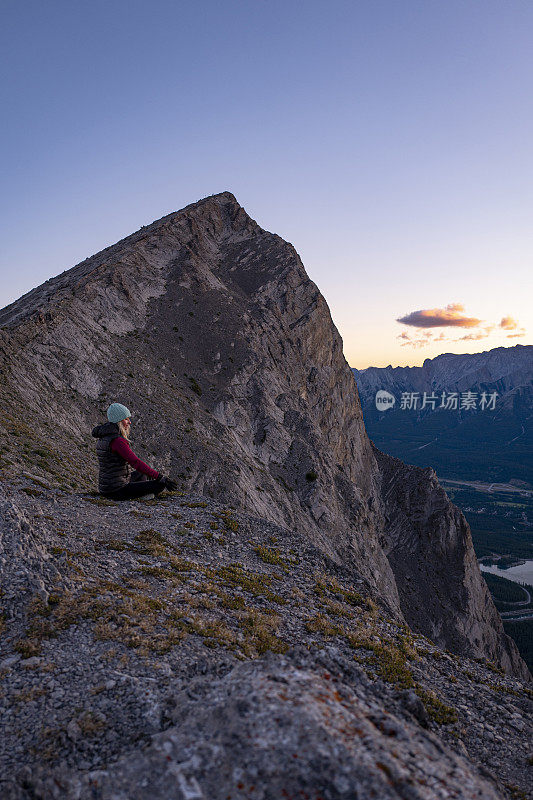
522,573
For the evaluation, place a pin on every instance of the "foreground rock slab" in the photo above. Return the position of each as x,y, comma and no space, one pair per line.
279,729
159,631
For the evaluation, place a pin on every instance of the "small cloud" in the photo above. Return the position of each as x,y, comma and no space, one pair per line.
451,316
508,323
514,335
416,343
472,336
421,339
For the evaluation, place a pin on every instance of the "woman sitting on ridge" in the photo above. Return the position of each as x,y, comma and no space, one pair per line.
115,479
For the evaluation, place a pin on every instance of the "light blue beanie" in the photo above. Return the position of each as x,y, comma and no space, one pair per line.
117,412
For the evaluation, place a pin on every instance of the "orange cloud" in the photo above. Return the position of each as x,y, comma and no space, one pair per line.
451,316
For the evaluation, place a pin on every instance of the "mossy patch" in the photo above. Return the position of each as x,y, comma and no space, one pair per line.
260,630
257,584
406,645
119,613
215,632
28,647
99,501
151,543
438,711
391,665
225,516
321,624
327,585
271,556
234,602
29,694
114,544
90,723
335,609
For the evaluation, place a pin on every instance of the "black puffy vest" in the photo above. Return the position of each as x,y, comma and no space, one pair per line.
114,471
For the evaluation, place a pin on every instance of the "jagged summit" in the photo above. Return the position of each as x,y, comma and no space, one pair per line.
208,328
222,209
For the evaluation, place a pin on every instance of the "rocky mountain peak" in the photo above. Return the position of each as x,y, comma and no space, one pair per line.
208,328
301,588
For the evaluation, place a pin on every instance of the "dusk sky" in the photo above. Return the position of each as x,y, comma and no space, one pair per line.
388,140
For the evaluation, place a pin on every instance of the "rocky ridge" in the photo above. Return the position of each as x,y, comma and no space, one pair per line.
185,649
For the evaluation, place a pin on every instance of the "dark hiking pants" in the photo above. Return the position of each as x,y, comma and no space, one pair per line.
138,486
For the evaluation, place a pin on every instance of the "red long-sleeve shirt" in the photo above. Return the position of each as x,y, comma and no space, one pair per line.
120,446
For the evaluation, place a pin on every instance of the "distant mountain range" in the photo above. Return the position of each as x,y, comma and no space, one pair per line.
488,440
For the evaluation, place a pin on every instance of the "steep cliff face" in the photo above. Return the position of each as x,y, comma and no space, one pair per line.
208,328
429,547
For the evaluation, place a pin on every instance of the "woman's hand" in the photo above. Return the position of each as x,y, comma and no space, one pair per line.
169,483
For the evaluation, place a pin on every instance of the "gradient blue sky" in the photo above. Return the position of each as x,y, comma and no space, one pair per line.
388,140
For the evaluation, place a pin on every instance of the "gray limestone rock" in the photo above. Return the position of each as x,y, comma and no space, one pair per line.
210,330
429,546
272,729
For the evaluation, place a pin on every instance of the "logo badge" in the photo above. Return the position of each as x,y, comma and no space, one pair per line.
384,400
